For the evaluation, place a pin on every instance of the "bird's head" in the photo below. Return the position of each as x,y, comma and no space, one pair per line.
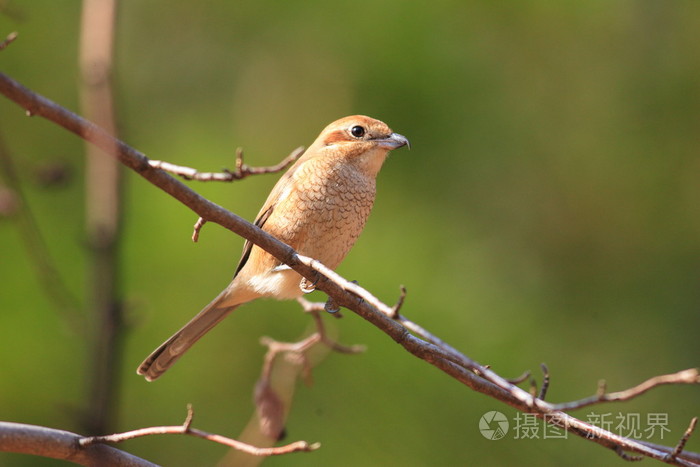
358,140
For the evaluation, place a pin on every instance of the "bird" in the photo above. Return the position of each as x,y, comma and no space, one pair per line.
319,207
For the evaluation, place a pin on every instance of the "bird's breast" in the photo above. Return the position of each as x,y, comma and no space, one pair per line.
325,212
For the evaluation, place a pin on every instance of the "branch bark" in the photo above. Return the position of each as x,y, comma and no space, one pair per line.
423,344
64,445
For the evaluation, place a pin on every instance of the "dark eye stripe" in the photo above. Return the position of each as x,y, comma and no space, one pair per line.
336,137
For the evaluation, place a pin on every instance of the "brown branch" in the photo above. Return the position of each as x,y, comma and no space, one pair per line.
423,344
103,217
242,170
690,376
186,429
384,317
63,445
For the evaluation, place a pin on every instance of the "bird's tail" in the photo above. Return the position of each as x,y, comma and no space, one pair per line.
171,350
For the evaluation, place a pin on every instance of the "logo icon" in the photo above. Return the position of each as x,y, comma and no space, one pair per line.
493,425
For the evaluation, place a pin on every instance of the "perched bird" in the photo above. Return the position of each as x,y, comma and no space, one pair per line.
318,207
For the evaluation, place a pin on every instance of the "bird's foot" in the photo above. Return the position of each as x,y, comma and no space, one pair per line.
331,306
306,286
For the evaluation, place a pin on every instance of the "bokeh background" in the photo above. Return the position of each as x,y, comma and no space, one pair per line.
549,211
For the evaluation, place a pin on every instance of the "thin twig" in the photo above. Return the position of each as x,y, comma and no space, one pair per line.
338,347
399,303
269,405
275,348
684,439
310,306
8,40
602,387
242,170
186,429
273,390
189,418
533,388
627,456
313,308
197,227
545,381
690,376
520,378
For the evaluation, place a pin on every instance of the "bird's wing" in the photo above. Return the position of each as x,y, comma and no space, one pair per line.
273,198
248,245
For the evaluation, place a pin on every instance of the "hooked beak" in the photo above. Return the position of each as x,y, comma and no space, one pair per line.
394,141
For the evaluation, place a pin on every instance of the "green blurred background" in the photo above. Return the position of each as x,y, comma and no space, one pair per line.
549,211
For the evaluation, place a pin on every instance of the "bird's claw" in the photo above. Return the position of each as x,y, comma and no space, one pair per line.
307,287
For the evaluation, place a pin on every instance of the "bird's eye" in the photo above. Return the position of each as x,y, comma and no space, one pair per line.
357,131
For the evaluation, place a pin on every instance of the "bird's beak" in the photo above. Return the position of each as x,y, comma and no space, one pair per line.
394,141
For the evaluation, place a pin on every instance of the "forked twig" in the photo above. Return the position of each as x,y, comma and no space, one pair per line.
186,429
242,170
690,376
684,439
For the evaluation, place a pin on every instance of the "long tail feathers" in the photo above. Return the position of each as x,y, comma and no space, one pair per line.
171,350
